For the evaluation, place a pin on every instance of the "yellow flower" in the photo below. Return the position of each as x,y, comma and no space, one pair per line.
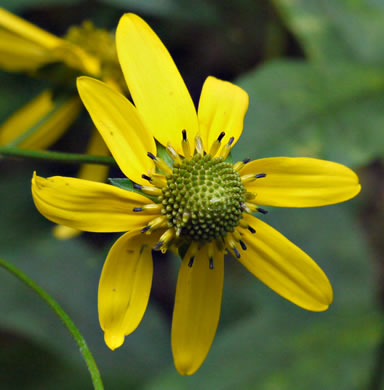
193,200
25,47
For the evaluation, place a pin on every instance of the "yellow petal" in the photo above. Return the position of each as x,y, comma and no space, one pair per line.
154,82
61,232
28,30
124,287
41,122
18,54
120,126
284,267
52,48
87,205
301,182
222,107
96,147
92,172
197,310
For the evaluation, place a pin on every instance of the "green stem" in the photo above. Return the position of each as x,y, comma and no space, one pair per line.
84,350
69,158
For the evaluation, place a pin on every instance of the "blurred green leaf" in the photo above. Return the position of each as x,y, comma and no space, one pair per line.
279,346
69,271
337,30
199,10
301,109
16,5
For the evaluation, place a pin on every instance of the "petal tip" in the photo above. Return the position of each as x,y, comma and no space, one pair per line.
113,339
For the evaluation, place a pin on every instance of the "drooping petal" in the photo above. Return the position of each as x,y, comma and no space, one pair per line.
96,147
154,82
18,54
87,205
52,48
27,30
124,287
197,310
284,267
92,172
222,108
120,126
41,122
301,182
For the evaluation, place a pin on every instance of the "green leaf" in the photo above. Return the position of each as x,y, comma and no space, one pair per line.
337,30
198,10
127,185
301,109
16,5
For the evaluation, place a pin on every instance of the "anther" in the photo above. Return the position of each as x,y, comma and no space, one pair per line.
227,148
262,211
160,163
240,164
185,145
216,145
199,145
243,246
191,260
145,229
260,175
155,224
251,229
237,253
137,186
158,246
211,263
151,208
145,177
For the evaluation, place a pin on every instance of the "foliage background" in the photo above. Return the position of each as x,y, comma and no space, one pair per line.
314,72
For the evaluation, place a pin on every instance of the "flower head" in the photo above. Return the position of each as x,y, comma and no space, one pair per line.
186,194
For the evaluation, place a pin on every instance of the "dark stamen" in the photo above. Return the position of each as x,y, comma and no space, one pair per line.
146,177
211,263
260,175
137,209
151,155
237,253
158,245
246,160
145,229
230,142
251,229
221,136
262,211
137,186
184,132
191,259
243,246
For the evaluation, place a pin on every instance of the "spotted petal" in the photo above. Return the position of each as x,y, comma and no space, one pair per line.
87,205
154,82
222,107
301,182
197,310
120,126
124,286
284,267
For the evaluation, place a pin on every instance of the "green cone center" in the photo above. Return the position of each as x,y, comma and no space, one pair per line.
203,198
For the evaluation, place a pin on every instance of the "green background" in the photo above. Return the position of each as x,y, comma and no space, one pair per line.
315,76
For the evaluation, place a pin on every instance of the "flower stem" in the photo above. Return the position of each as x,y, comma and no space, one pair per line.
68,158
84,350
